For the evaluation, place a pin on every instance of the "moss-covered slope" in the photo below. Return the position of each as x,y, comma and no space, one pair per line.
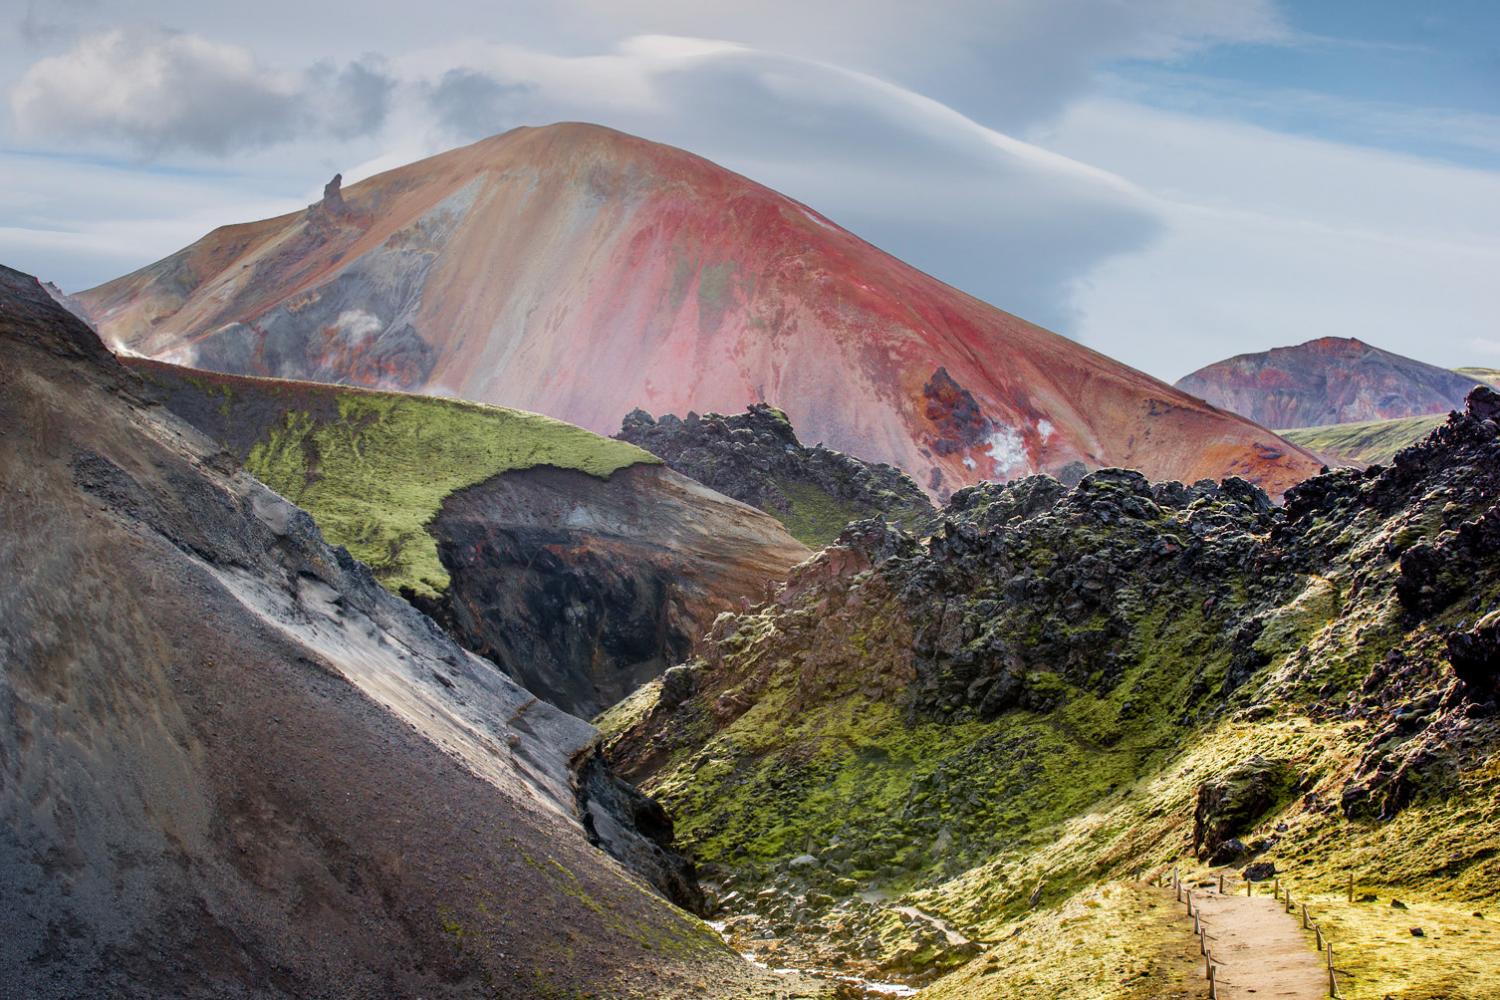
374,467
1485,376
1372,442
1047,692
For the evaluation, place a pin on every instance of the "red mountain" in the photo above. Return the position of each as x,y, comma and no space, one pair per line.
581,273
1331,380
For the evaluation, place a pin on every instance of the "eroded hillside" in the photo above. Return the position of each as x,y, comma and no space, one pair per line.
579,564
234,765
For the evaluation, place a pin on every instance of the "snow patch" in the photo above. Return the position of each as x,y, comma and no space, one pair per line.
356,324
1045,429
1006,448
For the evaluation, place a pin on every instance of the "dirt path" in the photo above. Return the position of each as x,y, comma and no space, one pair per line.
1261,950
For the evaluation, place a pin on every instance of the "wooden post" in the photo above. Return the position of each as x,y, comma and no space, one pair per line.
1221,883
1319,932
1278,888
1351,887
1213,982
1249,887
1304,916
1333,982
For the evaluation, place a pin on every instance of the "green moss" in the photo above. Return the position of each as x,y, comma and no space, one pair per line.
816,518
1365,443
1119,941
1487,376
377,474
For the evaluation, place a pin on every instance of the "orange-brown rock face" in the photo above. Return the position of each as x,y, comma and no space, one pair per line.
581,273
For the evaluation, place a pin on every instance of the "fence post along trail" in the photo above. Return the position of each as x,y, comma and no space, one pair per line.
1223,886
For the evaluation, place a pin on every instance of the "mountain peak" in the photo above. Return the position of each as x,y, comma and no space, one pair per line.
582,272
1328,380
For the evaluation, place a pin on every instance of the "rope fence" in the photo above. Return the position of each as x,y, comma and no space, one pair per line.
1283,895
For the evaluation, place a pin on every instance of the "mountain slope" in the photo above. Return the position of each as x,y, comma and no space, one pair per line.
1331,380
233,765
579,272
580,564
1371,442
1062,687
1483,376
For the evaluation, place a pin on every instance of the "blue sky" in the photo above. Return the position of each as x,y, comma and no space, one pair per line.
1168,181
1346,63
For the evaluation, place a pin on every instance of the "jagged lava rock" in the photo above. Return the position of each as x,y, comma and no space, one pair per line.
756,458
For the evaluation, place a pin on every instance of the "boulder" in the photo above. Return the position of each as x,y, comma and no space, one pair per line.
1475,655
1483,403
1233,802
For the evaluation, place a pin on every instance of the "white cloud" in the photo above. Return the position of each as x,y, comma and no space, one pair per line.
1005,62
1273,239
1002,218
156,92
79,223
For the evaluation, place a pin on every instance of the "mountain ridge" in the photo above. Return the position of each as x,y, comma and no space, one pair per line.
631,274
1328,380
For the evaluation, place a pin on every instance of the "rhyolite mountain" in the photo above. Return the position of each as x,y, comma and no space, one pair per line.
584,567
579,272
756,458
1331,380
919,743
233,765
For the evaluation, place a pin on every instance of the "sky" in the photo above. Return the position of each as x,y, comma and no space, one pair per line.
1170,182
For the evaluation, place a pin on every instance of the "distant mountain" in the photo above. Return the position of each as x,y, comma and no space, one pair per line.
1331,380
582,273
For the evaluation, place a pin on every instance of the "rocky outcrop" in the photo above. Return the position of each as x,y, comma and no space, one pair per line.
755,458
579,566
231,764
636,829
578,272
1065,685
583,589
333,196
1474,652
1233,802
1331,380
